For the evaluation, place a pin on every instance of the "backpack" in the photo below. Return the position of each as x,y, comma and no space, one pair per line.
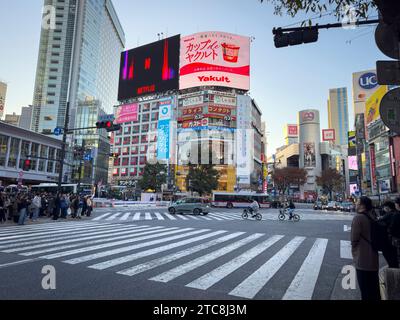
379,235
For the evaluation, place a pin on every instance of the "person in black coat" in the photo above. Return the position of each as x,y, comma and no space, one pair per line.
57,207
387,217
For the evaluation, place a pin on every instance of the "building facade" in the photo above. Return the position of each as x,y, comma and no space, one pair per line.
78,63
12,119
3,92
338,115
16,144
26,118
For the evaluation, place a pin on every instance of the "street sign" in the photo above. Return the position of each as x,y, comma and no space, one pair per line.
57,131
107,117
388,72
390,110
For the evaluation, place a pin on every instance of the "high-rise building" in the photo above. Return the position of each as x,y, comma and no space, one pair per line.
3,91
338,115
12,119
79,63
26,118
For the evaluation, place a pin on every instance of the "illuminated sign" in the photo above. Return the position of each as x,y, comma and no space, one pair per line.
215,59
308,116
219,110
149,69
127,113
353,164
328,135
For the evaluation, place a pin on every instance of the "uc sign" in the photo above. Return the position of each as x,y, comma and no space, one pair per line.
368,81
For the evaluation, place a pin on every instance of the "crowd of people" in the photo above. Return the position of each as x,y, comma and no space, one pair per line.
374,231
22,206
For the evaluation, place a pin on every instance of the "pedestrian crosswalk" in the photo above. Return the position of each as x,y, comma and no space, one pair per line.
196,258
127,216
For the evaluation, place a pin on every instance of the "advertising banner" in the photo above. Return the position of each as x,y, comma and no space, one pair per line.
127,113
364,85
226,101
353,164
149,69
352,139
219,110
164,130
215,59
192,101
373,103
192,111
373,166
244,140
292,131
328,135
309,155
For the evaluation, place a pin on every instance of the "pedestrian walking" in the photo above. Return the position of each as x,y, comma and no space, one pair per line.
89,204
365,258
36,205
23,205
57,207
388,214
2,209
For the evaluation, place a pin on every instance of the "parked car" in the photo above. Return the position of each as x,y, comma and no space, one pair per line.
190,205
347,207
318,205
332,206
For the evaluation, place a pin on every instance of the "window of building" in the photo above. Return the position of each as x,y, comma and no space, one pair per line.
56,46
127,130
135,129
134,150
145,128
115,172
117,141
133,171
145,117
53,70
50,101
124,171
14,148
125,161
127,140
52,78
153,127
135,140
117,161
144,139
146,107
143,149
143,160
55,54
134,161
3,149
154,116
51,94
125,151
52,86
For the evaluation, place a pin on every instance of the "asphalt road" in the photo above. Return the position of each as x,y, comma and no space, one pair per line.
143,253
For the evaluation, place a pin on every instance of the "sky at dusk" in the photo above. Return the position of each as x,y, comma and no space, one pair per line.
283,81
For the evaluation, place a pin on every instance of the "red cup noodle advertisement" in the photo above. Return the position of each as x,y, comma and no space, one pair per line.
215,59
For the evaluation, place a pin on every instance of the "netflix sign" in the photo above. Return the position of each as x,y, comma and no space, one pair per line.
149,69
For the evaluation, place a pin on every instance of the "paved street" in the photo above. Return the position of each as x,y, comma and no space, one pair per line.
121,254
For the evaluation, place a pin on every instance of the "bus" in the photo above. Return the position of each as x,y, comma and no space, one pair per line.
240,199
84,189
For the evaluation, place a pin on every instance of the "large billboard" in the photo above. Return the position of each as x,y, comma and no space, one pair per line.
215,59
373,103
291,131
149,69
309,155
328,135
127,113
164,138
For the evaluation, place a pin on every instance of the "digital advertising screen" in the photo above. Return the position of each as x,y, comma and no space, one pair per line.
149,69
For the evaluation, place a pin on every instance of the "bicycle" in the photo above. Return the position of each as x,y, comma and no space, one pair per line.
284,212
248,211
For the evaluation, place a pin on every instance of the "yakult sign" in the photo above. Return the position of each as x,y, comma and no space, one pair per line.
215,59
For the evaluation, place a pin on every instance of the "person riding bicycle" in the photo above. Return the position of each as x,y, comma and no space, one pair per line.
290,209
254,206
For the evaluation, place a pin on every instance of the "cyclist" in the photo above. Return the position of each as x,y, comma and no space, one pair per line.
254,208
290,209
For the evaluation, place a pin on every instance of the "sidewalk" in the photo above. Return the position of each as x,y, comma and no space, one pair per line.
42,220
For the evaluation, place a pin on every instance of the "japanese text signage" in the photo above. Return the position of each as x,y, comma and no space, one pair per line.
127,113
192,111
215,59
219,110
328,135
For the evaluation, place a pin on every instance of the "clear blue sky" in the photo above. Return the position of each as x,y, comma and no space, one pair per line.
283,81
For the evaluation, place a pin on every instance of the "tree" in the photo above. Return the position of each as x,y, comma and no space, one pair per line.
340,8
154,176
284,177
330,180
202,178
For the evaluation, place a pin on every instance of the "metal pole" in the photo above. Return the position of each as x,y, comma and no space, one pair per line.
63,147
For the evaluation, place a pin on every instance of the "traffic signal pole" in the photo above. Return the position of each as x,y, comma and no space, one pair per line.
63,147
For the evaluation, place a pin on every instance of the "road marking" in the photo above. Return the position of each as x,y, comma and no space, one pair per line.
345,250
191,265
52,241
302,286
107,245
257,280
129,235
170,216
125,217
215,217
102,216
147,216
131,257
45,238
15,263
34,227
134,247
114,216
213,277
159,216
346,228
169,258
136,216
182,217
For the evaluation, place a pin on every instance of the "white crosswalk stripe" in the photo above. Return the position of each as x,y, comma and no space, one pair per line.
147,216
102,216
200,259
114,216
302,286
159,216
256,281
170,216
126,216
136,216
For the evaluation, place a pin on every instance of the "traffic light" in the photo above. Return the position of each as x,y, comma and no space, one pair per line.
108,125
27,165
285,39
